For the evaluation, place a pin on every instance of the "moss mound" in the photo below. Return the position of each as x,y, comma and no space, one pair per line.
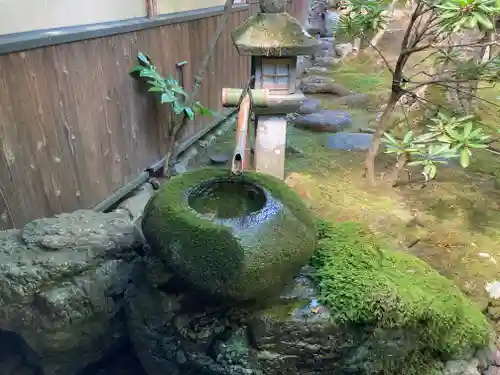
230,261
364,283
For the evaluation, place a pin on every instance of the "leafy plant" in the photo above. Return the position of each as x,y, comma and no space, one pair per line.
445,138
168,88
433,29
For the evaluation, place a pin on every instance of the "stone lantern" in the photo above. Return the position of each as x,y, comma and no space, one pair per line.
274,40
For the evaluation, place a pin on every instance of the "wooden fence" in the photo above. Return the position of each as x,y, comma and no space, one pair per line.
74,126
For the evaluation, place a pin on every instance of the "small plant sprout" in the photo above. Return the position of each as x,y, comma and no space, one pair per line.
446,138
168,88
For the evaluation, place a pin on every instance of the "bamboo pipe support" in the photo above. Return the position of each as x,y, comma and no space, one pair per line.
231,97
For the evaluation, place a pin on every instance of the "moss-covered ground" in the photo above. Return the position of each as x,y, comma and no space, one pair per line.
363,283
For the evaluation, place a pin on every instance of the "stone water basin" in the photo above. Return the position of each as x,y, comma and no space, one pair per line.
235,238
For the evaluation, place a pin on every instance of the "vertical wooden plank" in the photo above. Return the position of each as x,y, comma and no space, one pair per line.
30,167
11,209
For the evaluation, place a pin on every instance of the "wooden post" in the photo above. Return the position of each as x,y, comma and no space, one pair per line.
152,8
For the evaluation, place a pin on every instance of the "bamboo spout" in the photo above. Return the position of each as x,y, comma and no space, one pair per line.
242,153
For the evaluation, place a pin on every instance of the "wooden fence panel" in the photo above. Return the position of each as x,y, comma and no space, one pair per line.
74,126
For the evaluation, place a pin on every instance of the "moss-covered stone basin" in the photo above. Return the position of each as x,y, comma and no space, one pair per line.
236,238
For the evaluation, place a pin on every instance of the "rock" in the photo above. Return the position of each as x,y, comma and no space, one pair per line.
354,100
493,289
494,312
324,121
311,105
496,357
461,367
136,203
232,247
174,333
327,61
122,362
323,85
272,6
219,159
331,23
349,141
61,286
484,357
492,370
344,49
317,70
180,168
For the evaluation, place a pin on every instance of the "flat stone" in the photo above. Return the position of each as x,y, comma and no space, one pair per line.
327,61
349,141
219,159
323,85
316,70
461,367
136,203
324,121
354,100
311,105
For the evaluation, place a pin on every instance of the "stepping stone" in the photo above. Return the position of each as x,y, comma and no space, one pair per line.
354,100
323,85
317,70
219,159
324,121
311,105
349,141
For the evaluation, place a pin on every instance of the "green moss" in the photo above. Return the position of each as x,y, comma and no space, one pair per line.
282,311
211,256
364,283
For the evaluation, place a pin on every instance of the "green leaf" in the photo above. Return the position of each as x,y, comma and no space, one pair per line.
408,137
148,73
189,113
484,21
143,58
467,130
391,138
464,157
205,111
136,68
476,145
417,162
167,98
432,172
155,89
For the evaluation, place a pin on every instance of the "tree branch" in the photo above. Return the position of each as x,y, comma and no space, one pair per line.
388,66
443,46
204,64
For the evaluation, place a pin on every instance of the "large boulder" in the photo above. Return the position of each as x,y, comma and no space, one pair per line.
359,309
61,285
234,238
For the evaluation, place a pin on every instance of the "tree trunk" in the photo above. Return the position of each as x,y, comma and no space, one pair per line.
400,165
372,152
